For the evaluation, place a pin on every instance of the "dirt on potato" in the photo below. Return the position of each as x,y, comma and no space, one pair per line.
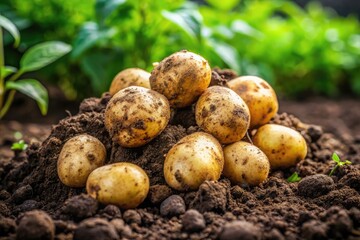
34,204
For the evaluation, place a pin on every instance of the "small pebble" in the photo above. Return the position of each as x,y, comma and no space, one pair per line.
95,229
240,230
21,194
193,221
172,206
132,216
80,206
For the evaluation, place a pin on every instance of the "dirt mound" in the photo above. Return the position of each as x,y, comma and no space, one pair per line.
317,207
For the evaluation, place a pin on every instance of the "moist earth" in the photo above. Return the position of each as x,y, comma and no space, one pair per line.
34,204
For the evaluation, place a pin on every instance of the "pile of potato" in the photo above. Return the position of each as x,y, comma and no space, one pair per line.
139,110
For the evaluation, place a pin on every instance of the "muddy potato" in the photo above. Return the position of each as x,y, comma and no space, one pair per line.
259,96
283,146
79,156
245,164
194,159
123,184
181,77
222,113
136,115
130,77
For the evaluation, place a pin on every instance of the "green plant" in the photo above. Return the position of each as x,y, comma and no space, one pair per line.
339,163
19,146
33,59
294,178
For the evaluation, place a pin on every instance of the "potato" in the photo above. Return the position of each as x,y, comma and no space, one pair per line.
130,77
222,113
245,164
194,159
123,184
79,156
259,96
136,115
283,146
181,77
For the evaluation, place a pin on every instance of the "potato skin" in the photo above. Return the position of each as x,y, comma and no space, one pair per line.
245,164
123,184
79,156
182,78
136,115
222,113
283,146
194,159
130,77
259,96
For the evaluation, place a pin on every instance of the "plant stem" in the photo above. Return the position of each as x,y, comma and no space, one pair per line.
333,170
16,75
7,104
2,91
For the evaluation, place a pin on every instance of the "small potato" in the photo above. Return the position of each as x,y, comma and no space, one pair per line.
222,113
181,77
194,159
136,115
123,184
79,156
259,96
130,77
245,164
283,146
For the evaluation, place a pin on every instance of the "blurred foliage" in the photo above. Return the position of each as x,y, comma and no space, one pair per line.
299,51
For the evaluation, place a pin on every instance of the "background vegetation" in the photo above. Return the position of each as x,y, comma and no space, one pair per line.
300,51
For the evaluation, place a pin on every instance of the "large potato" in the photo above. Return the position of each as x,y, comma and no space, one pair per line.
283,146
130,77
181,77
222,113
136,115
245,164
79,156
259,96
123,184
194,159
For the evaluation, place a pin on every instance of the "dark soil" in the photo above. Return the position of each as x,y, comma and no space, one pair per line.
34,204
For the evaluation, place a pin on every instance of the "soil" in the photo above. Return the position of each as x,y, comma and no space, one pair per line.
34,204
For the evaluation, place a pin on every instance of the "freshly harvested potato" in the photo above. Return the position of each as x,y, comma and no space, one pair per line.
194,159
123,184
259,96
136,115
222,113
245,164
283,146
181,77
79,156
130,77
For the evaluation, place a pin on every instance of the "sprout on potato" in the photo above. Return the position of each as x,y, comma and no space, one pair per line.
222,113
123,184
182,78
283,146
259,96
245,164
130,77
79,156
136,115
194,159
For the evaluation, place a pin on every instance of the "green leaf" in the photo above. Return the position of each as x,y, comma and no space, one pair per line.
242,27
89,36
105,7
227,53
223,4
20,146
294,178
11,28
335,157
7,70
188,18
42,55
32,88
